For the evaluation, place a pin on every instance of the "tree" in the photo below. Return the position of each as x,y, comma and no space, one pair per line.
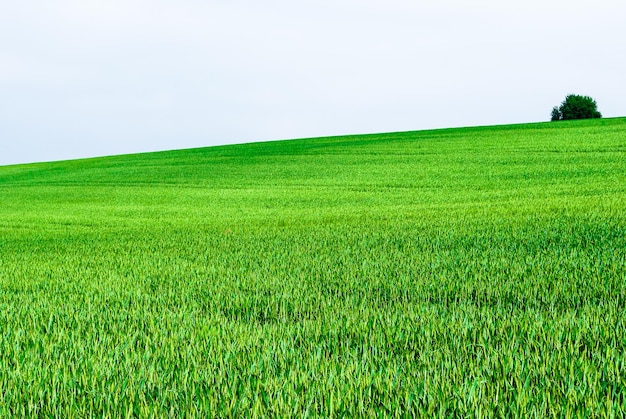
576,107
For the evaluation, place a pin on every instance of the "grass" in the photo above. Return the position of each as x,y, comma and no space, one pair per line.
461,272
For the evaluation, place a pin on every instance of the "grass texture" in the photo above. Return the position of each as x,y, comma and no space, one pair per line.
462,272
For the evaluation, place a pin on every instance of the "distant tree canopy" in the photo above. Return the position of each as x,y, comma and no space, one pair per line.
576,107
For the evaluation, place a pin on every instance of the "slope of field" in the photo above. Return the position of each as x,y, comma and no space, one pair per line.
476,271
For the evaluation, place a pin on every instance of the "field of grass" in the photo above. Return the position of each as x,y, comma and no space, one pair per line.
475,271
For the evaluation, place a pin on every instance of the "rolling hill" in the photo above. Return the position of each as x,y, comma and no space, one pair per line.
470,271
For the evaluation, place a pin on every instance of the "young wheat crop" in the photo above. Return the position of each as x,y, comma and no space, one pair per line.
462,272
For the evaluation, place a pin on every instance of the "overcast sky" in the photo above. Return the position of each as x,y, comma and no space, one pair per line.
100,77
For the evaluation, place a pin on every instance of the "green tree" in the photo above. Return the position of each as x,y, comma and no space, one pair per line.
576,107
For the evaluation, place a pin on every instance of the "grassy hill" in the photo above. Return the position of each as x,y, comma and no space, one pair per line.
475,271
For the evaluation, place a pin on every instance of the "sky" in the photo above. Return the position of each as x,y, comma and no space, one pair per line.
102,77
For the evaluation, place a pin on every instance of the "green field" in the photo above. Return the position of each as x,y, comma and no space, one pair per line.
457,272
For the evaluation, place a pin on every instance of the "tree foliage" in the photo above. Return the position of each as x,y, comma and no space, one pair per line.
576,107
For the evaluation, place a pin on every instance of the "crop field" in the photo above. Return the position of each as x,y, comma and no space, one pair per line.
461,272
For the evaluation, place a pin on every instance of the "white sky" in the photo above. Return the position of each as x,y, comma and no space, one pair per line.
82,78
